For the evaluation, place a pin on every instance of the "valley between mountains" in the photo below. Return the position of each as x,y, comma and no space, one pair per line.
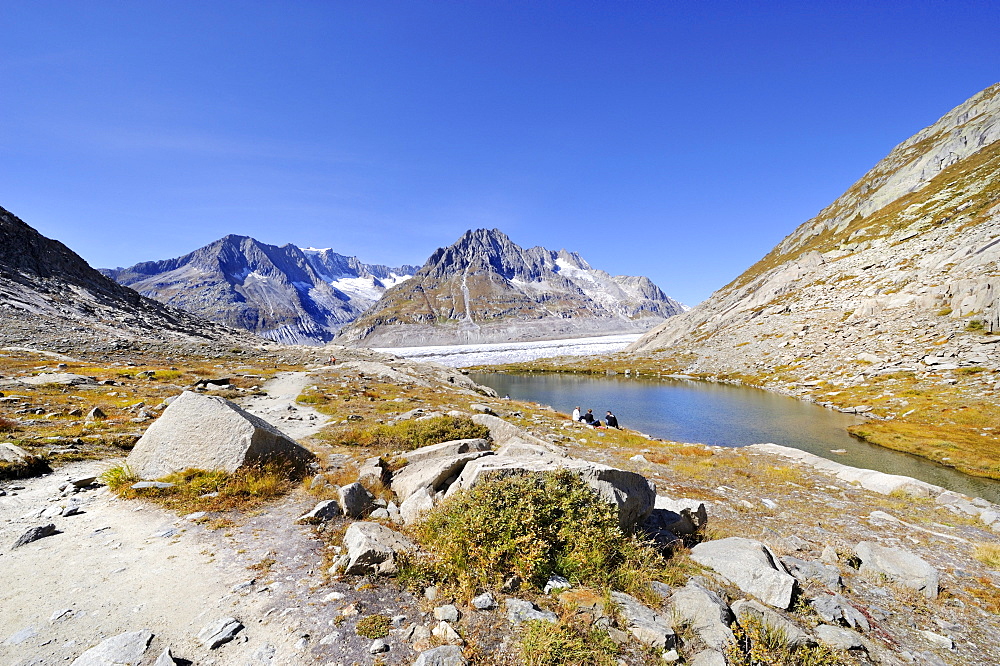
321,502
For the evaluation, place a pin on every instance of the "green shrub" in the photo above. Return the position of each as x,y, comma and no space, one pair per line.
543,644
535,525
119,480
373,626
207,490
410,435
975,326
760,644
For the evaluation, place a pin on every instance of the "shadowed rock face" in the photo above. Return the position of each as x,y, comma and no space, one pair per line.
486,288
48,292
282,293
904,253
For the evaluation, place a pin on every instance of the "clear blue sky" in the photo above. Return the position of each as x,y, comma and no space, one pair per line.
679,140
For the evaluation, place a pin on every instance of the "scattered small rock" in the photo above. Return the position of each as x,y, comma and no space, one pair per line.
220,632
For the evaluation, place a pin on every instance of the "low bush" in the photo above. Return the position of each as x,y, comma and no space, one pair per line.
760,644
543,644
409,435
207,490
373,626
7,425
533,526
988,554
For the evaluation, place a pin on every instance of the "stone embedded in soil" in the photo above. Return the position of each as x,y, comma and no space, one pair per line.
324,511
900,566
704,612
34,534
837,637
792,634
219,632
446,655
519,611
648,626
355,500
372,549
126,648
485,601
448,613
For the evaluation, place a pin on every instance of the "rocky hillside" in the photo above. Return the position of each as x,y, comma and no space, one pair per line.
282,293
50,296
486,288
898,274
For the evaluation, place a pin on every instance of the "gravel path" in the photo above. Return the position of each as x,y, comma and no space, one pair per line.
122,566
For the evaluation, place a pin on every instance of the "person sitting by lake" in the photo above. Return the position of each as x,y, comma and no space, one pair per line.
576,413
590,420
611,420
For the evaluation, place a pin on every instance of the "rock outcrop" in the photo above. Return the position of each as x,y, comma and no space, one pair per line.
485,288
882,280
208,432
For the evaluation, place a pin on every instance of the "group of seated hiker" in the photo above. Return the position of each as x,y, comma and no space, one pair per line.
611,421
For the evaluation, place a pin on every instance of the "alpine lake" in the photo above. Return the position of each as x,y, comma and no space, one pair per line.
723,415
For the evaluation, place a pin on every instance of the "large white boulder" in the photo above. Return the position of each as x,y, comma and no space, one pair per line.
208,432
751,566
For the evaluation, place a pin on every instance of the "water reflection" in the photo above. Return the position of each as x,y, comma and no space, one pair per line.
717,414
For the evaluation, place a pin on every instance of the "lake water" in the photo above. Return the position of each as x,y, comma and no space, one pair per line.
718,414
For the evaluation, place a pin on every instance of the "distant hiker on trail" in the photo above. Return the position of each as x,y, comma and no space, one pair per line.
589,419
611,420
576,413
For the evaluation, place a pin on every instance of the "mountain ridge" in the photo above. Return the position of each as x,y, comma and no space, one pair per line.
283,293
485,288
50,295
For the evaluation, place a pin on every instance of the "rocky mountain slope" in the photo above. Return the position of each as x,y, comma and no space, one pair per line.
282,293
50,296
898,274
485,288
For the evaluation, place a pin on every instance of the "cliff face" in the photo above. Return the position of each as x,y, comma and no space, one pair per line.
486,288
49,293
900,272
282,293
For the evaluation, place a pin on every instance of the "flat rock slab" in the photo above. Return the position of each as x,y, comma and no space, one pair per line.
751,566
446,655
60,378
126,648
900,566
632,494
452,448
208,432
